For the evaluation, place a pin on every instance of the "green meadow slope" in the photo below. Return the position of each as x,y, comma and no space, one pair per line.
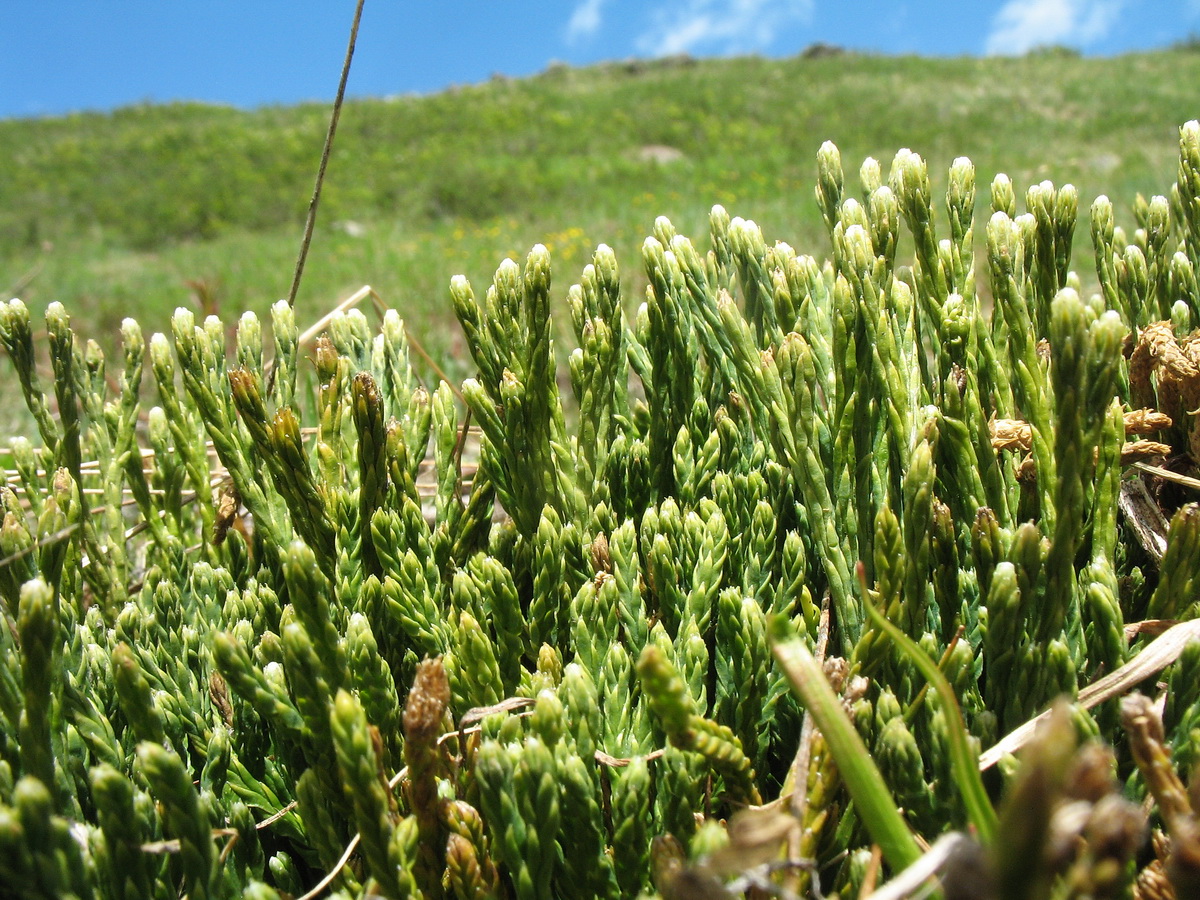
150,207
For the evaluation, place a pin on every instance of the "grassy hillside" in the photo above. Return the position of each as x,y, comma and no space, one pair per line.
136,212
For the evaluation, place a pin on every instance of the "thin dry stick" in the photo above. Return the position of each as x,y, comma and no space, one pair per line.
1156,656
429,360
1193,483
333,121
318,326
311,220
333,873
1144,517
381,306
907,883
23,282
219,475
803,757
804,752
872,874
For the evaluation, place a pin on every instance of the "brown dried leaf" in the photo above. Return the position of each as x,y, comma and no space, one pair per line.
1140,451
1152,883
1149,627
1027,471
1043,350
1010,434
1190,345
1178,375
756,836
426,702
479,713
1146,421
601,557
228,502
1141,367
218,692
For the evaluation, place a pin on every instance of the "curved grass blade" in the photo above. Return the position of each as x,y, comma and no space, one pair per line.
963,761
876,806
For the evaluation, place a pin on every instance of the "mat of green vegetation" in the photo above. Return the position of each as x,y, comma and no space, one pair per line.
151,207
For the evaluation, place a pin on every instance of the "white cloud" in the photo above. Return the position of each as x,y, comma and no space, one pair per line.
585,20
722,26
1022,25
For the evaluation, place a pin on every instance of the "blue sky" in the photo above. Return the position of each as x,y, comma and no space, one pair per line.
57,57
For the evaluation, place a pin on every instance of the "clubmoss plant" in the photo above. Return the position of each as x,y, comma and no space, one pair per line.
296,630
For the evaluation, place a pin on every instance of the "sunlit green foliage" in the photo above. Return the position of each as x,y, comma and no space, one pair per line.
148,208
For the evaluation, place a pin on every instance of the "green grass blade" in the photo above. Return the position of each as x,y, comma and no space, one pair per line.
963,760
877,808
